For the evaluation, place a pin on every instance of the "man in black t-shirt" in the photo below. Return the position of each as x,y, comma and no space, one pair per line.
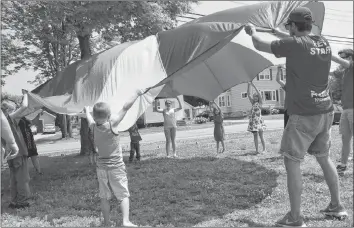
309,105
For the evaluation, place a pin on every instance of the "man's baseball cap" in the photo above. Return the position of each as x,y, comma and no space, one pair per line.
300,14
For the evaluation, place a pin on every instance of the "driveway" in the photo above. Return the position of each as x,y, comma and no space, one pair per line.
158,137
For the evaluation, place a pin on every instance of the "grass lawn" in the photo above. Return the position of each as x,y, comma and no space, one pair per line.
200,188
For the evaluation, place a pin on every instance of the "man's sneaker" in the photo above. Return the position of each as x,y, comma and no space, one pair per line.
341,169
337,212
288,221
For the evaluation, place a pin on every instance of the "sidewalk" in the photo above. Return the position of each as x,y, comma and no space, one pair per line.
159,137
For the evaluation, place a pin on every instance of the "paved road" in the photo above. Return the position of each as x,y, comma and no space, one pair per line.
158,137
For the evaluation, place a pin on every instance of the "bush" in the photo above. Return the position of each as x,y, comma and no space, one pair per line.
275,111
265,111
281,110
200,120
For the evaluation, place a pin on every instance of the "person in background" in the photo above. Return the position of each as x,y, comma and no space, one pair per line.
170,125
111,170
345,59
309,105
219,133
283,86
8,141
19,176
25,127
135,138
256,123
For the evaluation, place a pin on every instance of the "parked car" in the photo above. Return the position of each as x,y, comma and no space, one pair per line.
49,128
34,129
207,115
337,113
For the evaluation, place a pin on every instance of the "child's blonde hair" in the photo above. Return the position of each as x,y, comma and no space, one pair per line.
259,97
101,110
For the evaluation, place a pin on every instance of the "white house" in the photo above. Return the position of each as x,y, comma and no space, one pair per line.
235,103
152,117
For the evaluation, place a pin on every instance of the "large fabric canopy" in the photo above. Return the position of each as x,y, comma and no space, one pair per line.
202,58
238,61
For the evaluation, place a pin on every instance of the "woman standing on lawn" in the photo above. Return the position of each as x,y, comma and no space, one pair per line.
219,133
256,123
170,125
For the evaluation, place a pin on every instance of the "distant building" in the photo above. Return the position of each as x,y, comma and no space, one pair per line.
152,117
42,120
235,103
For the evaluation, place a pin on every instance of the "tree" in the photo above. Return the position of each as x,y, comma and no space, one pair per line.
112,22
16,99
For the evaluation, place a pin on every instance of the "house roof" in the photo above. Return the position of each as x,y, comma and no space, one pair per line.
47,113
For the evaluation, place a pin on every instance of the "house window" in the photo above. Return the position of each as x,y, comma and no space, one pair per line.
264,76
222,101
228,101
269,95
243,95
156,105
283,75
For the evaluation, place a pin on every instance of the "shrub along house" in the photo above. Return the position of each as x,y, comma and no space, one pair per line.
235,103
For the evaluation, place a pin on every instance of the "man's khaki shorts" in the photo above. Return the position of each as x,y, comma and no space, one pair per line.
346,122
115,179
311,134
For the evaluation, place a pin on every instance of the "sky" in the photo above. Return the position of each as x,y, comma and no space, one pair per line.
338,22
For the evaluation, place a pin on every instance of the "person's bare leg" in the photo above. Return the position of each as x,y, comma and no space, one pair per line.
262,140
168,140
217,147
294,183
331,177
36,165
124,206
345,148
223,146
106,210
255,136
173,140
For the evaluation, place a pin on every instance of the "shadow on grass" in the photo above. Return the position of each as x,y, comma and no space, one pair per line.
253,224
178,192
314,177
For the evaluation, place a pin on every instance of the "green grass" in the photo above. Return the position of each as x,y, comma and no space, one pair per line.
201,188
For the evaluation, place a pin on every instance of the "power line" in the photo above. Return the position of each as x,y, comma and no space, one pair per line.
241,3
340,10
332,19
202,15
350,38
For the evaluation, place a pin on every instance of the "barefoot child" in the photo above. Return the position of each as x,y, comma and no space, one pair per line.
256,123
219,132
110,166
135,138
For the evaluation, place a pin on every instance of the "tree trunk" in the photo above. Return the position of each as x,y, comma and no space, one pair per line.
63,128
69,126
86,136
